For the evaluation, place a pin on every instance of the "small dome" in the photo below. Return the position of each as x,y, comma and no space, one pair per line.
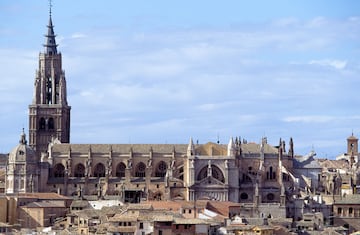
22,152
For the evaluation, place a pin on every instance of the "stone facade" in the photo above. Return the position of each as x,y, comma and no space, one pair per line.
235,172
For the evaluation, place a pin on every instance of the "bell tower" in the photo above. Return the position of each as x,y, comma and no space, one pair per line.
49,113
352,145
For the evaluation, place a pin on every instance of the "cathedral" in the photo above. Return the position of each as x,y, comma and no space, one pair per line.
250,173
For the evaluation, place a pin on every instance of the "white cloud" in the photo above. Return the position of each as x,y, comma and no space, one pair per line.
337,64
78,35
309,119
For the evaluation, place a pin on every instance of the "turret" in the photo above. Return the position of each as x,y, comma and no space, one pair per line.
231,149
191,148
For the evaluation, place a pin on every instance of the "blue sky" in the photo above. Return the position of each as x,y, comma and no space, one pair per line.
165,71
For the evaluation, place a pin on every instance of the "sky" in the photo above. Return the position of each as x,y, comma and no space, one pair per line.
164,71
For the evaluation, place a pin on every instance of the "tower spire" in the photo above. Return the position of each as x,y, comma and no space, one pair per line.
50,43
50,5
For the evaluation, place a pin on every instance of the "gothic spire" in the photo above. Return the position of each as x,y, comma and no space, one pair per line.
50,43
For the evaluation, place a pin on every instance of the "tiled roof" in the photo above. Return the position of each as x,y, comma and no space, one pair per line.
124,218
122,229
163,218
349,199
142,206
334,164
80,204
88,213
45,204
255,148
119,148
41,196
211,149
190,204
222,207
165,205
189,221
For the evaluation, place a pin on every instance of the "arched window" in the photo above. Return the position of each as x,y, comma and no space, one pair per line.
42,124
161,169
99,170
215,172
271,175
79,170
140,170
59,171
120,170
51,124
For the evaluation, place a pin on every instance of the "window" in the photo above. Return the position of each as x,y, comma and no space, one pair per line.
79,170
140,170
120,170
161,169
141,225
271,175
42,124
51,125
99,170
49,90
59,171
339,210
215,172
